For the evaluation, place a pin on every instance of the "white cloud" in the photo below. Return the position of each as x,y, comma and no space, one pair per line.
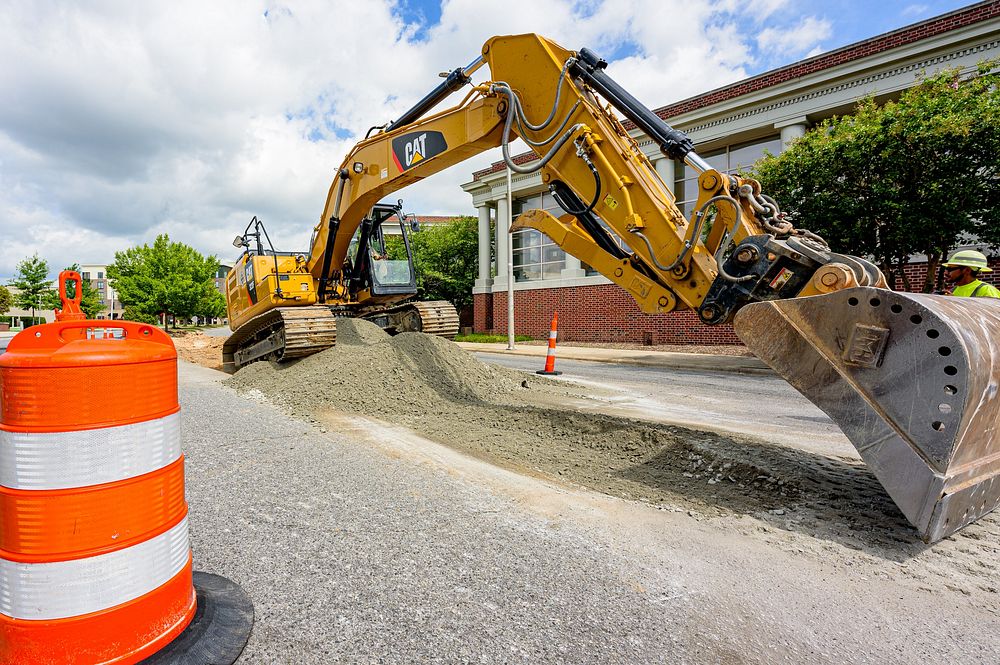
124,120
914,10
796,39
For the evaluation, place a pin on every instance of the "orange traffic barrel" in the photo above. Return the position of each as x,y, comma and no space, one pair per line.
95,565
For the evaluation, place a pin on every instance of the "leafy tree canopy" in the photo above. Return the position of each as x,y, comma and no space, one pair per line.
920,175
6,299
34,289
131,314
164,278
445,258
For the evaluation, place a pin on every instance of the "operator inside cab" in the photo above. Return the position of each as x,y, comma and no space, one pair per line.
962,272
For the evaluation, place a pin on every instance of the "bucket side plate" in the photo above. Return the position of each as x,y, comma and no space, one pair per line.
911,379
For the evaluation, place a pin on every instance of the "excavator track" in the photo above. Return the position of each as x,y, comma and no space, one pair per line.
295,332
281,334
435,317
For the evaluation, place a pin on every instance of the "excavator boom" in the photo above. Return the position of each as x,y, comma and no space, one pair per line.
911,380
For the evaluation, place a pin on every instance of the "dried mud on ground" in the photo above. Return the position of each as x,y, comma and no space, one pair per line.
198,348
830,509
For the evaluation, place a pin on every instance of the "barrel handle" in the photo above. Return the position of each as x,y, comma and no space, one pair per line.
70,306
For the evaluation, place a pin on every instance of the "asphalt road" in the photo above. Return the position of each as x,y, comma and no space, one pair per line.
766,407
369,544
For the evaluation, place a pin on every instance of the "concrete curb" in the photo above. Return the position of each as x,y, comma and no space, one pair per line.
685,361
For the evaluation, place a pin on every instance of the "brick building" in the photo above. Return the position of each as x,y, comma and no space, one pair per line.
731,127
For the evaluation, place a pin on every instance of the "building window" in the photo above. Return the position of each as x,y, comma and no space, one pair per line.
100,284
101,302
85,275
100,275
731,159
535,256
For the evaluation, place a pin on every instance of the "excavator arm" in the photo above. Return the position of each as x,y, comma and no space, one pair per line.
911,379
620,217
391,160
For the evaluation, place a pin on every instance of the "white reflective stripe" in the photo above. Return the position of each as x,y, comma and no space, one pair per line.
59,460
552,334
71,588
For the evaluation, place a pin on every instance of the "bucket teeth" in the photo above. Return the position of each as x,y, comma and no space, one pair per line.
912,381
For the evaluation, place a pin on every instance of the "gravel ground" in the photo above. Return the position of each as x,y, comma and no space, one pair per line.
823,505
352,556
369,544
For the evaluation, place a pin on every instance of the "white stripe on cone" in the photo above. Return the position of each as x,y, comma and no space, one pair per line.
61,589
61,460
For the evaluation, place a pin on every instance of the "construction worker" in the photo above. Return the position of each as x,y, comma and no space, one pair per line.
962,271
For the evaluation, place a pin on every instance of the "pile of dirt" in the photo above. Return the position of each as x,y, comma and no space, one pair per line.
199,348
372,373
828,508
433,387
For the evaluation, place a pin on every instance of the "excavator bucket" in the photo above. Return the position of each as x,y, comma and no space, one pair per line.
912,381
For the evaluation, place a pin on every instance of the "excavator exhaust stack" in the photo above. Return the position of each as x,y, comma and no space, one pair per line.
912,381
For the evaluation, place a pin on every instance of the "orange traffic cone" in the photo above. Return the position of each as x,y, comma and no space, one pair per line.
95,565
550,356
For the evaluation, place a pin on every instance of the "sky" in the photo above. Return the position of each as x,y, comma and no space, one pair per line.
124,120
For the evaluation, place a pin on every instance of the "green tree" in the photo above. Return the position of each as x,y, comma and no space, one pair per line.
34,290
914,176
6,300
445,258
212,306
163,279
130,313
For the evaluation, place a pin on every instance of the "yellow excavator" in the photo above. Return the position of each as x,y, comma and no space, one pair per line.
910,378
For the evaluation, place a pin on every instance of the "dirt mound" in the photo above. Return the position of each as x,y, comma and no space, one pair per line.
432,386
358,332
372,373
815,505
199,348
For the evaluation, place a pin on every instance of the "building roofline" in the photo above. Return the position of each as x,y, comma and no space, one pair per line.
954,20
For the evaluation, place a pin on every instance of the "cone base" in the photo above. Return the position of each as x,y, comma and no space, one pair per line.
219,630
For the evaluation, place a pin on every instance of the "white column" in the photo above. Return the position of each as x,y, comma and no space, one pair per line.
573,267
485,255
665,169
791,130
500,281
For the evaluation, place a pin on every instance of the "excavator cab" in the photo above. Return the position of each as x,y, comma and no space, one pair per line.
381,259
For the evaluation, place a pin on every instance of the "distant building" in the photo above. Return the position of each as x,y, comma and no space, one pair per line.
417,222
434,220
220,277
18,318
97,275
